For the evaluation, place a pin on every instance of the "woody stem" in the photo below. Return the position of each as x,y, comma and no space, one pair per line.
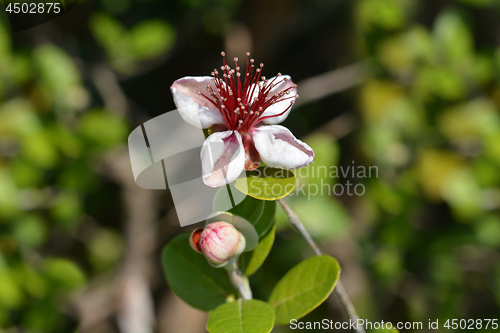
339,288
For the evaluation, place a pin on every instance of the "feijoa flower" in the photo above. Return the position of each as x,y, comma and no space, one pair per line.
236,109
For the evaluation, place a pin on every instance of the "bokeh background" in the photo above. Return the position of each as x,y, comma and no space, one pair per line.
412,87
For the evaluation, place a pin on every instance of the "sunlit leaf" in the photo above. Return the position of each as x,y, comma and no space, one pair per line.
18,117
433,169
267,183
152,38
242,316
304,288
66,207
488,231
56,69
251,261
108,31
11,295
103,128
64,273
453,35
30,230
377,97
388,14
39,150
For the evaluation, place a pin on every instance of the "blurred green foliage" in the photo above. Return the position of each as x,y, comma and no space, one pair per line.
431,119
50,138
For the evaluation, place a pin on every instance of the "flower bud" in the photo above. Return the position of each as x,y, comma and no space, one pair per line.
219,242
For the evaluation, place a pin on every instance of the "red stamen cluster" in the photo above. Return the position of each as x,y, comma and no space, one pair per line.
234,99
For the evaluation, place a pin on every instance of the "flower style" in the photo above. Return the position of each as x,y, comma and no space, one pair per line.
235,110
219,242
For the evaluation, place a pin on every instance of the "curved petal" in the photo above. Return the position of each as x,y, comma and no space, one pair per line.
279,107
195,109
222,158
278,147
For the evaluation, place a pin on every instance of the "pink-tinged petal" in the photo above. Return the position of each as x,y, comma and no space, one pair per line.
281,106
222,158
194,108
278,147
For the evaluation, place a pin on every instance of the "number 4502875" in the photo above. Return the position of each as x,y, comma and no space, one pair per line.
33,8
471,324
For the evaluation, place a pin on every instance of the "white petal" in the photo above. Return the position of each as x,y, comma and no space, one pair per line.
222,158
194,108
278,147
279,107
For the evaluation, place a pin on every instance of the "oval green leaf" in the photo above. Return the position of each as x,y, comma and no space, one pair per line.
151,38
191,277
258,212
266,220
251,261
242,225
242,316
250,209
304,288
230,199
267,183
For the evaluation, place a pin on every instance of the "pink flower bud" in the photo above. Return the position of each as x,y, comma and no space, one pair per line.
219,242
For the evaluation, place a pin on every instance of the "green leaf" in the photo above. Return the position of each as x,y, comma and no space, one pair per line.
56,69
67,207
387,14
267,183
39,150
191,277
237,203
11,294
30,230
242,225
152,38
258,212
113,36
266,220
251,261
64,273
107,30
242,316
103,128
304,288
453,35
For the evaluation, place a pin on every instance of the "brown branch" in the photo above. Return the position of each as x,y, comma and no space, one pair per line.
339,288
332,82
108,86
